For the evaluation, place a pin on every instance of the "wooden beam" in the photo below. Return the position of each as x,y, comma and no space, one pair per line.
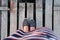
39,13
57,18
0,25
30,10
4,3
48,14
0,21
4,25
13,17
21,14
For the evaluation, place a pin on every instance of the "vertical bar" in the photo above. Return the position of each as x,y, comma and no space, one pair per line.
21,14
57,18
17,14
43,2
13,16
4,25
0,25
0,3
0,20
52,14
8,25
26,9
4,3
34,12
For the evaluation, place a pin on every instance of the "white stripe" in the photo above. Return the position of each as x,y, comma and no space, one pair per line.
20,31
12,37
34,38
18,34
28,35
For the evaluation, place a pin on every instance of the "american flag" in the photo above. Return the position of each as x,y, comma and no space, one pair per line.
47,34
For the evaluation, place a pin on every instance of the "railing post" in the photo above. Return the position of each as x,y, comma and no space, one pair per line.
43,3
52,14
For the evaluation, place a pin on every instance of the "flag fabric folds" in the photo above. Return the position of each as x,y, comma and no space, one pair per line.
47,34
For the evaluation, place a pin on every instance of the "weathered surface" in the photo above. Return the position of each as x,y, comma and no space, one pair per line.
48,14
57,18
4,24
4,3
21,14
39,13
30,10
4,20
13,18
0,24
57,23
